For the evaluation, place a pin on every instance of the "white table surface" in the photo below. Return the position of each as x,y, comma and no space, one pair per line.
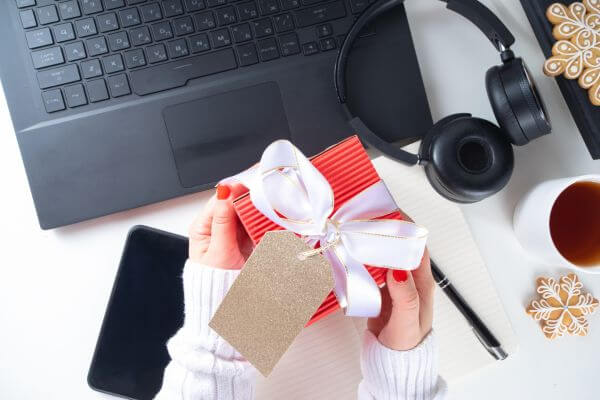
54,285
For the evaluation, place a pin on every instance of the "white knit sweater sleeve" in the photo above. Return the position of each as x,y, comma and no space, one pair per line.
205,367
400,375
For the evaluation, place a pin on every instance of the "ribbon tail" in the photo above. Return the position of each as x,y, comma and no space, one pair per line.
357,292
386,243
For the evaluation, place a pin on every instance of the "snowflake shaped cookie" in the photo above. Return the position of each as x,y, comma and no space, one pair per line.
563,308
576,54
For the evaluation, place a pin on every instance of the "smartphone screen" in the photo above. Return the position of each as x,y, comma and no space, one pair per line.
145,310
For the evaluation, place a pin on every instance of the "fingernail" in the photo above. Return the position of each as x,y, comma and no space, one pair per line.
223,192
400,275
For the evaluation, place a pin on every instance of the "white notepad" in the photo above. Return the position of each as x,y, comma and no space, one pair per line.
323,362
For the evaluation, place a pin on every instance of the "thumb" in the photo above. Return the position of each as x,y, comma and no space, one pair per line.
224,222
402,331
404,294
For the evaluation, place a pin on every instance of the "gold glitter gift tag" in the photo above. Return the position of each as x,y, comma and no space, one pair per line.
272,299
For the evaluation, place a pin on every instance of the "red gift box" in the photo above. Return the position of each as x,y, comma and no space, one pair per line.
349,171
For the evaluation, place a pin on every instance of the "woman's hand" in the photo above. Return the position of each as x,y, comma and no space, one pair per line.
217,237
406,309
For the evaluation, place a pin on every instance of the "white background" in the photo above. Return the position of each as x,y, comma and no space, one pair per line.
54,285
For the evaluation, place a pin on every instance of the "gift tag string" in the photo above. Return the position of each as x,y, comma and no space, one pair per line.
319,250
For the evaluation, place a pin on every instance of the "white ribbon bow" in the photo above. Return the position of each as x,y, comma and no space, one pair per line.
291,192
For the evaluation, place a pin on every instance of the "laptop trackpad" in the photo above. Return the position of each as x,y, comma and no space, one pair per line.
221,135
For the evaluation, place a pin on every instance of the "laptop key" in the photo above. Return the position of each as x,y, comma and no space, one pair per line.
132,2
97,91
177,48
134,58
194,5
205,20
283,23
220,38
324,30
25,3
118,41
262,27
162,31
268,7
69,9
140,36
74,51
53,100
156,53
178,73
130,17
107,22
47,15
91,6
225,16
319,14
199,43
85,27
112,4
39,38
151,12
327,44
47,57
215,3
241,33
183,26
310,48
247,11
358,6
289,44
75,95
290,4
267,49
172,8
28,19
118,85
247,54
58,76
63,32
113,63
96,46
91,69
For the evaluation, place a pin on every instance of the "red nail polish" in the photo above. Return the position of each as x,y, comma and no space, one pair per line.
223,192
400,275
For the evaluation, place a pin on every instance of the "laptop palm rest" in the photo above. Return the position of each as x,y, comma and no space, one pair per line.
221,135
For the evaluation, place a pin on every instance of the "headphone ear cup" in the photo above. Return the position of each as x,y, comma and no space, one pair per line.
518,107
467,159
501,106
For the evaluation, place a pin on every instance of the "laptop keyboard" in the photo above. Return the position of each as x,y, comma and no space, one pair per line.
89,51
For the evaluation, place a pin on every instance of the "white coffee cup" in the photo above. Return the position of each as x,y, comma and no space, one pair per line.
532,221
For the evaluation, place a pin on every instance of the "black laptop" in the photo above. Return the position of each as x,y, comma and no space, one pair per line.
121,103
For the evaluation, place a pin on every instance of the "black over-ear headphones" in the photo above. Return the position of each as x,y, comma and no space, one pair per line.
466,159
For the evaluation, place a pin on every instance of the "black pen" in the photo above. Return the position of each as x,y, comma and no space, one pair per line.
487,338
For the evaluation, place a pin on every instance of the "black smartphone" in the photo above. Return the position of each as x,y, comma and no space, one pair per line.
145,309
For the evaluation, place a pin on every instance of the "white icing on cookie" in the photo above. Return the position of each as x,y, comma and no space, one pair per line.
576,54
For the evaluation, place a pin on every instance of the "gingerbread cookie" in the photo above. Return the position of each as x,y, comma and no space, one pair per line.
576,54
563,308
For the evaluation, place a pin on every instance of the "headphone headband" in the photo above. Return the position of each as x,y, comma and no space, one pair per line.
473,10
374,10
483,18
